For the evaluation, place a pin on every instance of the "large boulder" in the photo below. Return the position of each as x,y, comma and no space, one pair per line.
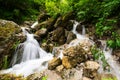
8,40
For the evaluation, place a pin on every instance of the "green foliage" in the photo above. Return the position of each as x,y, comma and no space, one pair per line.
54,7
115,42
99,55
105,26
18,11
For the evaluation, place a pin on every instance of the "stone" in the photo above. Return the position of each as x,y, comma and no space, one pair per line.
41,32
54,63
43,17
92,65
85,78
68,62
48,24
49,74
59,68
70,36
58,35
90,69
72,74
8,39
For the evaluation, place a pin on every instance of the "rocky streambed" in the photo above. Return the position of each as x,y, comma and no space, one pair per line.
77,52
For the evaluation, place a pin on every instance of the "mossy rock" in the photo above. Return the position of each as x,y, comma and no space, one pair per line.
8,38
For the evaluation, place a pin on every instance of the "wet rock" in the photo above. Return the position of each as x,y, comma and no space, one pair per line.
58,35
79,29
54,63
8,39
41,32
65,22
70,36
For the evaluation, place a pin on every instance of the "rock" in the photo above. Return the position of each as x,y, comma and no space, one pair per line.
48,24
58,22
68,62
104,76
43,17
76,54
58,35
70,36
79,28
50,47
49,74
41,32
11,77
54,63
91,65
90,69
60,68
117,52
72,74
68,16
8,39
85,78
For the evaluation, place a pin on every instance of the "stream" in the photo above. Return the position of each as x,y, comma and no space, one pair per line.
29,57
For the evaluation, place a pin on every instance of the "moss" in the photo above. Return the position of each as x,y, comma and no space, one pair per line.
11,77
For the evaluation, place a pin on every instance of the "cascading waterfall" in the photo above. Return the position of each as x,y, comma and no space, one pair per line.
29,57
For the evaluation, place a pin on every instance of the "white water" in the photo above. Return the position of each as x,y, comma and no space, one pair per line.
33,26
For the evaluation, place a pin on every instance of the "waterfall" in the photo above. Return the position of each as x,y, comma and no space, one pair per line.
29,57
79,36
114,66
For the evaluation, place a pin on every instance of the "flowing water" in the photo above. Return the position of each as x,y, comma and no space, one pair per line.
30,58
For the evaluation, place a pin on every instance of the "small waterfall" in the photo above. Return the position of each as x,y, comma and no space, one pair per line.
79,36
28,58
28,50
114,66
